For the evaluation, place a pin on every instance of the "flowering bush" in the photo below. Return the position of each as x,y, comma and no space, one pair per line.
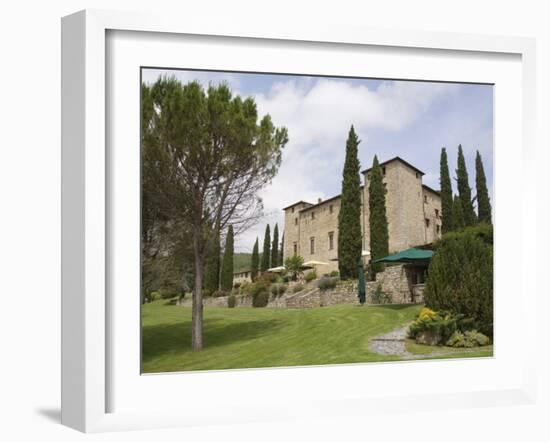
433,327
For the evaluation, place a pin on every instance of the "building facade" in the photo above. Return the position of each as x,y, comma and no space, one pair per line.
413,211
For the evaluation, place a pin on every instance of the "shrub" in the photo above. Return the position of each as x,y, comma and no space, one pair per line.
154,296
181,296
310,276
231,301
220,293
326,283
167,293
278,289
334,273
236,285
471,338
256,287
460,276
260,299
268,277
206,293
439,326
297,288
379,296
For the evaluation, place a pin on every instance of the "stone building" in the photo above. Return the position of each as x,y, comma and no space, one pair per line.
413,211
242,276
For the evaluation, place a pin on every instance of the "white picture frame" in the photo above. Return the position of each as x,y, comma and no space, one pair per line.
85,208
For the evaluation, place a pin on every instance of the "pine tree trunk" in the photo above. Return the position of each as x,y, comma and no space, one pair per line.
196,322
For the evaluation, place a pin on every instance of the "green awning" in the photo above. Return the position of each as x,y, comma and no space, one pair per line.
409,255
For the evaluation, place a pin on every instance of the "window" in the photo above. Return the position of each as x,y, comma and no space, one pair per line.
427,222
438,228
312,245
312,215
295,249
330,208
295,221
384,171
417,175
425,198
436,213
330,240
292,210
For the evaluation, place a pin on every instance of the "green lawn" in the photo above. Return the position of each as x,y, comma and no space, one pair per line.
266,337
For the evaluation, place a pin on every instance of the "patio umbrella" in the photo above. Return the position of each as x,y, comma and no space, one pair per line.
277,269
315,263
409,255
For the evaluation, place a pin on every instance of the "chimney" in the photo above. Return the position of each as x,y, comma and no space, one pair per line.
319,200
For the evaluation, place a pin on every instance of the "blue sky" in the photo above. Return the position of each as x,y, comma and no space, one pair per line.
409,119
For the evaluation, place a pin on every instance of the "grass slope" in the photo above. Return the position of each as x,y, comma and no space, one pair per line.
266,337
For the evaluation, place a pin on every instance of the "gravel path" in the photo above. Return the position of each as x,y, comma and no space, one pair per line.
392,343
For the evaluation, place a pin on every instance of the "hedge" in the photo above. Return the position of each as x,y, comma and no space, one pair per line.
460,276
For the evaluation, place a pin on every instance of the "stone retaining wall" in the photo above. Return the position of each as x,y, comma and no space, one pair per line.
393,281
240,301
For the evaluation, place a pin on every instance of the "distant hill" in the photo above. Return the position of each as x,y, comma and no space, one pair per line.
241,261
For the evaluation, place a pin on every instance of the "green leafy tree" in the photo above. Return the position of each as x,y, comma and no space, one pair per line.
378,222
460,276
446,193
266,254
212,276
227,265
293,266
483,203
255,261
464,190
207,154
349,217
458,214
275,247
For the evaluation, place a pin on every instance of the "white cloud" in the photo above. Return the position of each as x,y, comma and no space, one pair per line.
318,115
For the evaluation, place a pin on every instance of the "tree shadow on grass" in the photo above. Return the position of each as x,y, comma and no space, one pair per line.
394,306
158,340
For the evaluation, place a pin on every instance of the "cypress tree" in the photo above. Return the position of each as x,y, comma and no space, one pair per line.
212,276
275,247
483,202
446,193
378,222
227,264
266,255
282,252
255,261
349,217
458,214
464,190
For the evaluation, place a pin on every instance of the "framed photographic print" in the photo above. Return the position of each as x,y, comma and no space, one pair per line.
291,222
